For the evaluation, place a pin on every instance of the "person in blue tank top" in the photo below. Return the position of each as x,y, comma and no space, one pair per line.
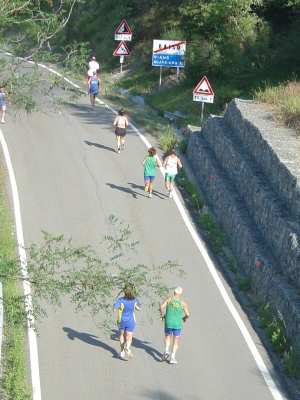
126,306
94,82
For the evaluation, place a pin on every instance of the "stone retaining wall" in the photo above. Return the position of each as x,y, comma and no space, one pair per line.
254,199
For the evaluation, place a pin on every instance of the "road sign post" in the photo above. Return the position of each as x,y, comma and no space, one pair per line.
204,93
122,50
168,53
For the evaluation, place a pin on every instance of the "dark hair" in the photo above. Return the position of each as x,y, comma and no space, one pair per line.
121,111
152,151
173,151
129,292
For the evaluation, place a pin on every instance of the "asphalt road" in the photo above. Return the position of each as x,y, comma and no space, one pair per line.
70,179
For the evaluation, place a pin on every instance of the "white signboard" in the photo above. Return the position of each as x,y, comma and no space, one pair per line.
168,53
203,91
123,32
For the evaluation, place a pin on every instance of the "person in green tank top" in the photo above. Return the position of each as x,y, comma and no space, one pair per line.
174,306
149,163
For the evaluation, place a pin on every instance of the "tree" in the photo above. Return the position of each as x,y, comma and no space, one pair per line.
57,269
28,29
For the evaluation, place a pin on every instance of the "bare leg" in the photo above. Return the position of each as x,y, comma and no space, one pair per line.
3,113
167,341
150,187
128,339
175,345
118,141
147,183
122,342
171,185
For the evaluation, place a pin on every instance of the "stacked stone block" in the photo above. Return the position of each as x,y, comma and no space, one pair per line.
249,177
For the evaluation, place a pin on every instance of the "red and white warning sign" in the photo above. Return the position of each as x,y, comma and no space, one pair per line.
203,91
122,50
123,32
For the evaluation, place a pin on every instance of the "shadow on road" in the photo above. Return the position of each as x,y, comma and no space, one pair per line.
139,344
100,146
155,193
89,339
125,189
133,193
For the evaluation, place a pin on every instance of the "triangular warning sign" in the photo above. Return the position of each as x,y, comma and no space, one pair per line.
123,29
122,50
204,88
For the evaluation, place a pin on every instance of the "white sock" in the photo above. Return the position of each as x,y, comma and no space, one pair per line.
167,350
173,355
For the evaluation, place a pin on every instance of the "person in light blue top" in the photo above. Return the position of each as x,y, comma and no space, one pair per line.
94,82
126,306
3,98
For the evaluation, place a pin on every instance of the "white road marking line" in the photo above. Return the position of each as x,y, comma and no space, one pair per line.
34,363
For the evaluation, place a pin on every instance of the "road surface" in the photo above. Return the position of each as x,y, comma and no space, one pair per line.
70,179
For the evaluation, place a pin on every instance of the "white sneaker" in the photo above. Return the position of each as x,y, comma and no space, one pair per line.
119,150
165,356
146,188
170,194
173,361
2,121
150,195
128,352
121,355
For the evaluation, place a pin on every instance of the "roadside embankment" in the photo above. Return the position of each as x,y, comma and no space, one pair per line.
248,169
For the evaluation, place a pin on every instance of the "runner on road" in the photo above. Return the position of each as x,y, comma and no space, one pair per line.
3,99
171,163
120,122
93,66
174,306
149,163
94,82
126,319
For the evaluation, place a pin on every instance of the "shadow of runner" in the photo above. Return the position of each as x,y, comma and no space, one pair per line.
126,190
89,339
100,146
139,344
155,193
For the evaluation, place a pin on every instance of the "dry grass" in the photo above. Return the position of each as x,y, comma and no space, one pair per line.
285,101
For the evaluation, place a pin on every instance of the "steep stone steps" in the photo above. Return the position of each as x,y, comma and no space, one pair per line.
267,211
275,149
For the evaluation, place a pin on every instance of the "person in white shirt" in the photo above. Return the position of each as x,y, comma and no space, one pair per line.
171,163
93,66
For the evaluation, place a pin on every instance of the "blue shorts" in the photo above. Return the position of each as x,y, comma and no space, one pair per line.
174,332
149,178
127,326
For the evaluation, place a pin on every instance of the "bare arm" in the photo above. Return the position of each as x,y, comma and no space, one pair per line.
144,160
115,310
116,120
157,163
126,121
163,306
165,161
179,162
